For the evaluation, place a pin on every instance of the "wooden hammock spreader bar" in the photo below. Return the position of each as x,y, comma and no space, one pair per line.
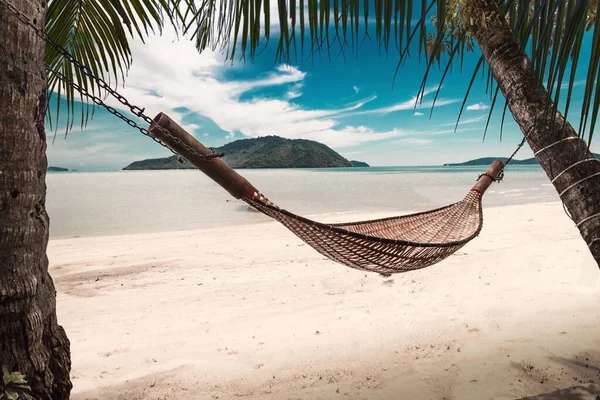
490,176
216,169
387,245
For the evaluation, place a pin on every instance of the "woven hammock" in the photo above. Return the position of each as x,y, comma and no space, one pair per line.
387,246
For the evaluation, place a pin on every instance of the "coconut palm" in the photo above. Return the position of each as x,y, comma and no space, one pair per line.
531,49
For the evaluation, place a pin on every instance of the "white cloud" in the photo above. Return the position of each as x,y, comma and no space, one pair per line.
196,82
284,74
351,153
356,89
466,121
418,114
412,104
93,151
415,141
445,131
295,91
565,84
351,136
477,107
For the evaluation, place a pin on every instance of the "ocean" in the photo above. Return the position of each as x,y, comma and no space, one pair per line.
124,202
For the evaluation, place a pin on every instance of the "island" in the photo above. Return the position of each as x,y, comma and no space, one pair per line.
57,169
359,164
490,160
262,152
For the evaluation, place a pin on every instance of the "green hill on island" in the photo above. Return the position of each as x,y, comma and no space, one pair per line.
263,152
57,169
490,160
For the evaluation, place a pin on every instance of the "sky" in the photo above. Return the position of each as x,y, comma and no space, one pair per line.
352,104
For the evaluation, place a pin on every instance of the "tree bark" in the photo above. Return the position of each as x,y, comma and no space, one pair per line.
553,140
31,341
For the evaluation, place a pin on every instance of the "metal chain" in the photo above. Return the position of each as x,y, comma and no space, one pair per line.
500,176
110,109
135,110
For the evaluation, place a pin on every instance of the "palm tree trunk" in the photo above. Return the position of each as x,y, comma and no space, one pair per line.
553,140
31,341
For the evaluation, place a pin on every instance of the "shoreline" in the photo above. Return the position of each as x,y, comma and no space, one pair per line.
335,217
374,167
251,311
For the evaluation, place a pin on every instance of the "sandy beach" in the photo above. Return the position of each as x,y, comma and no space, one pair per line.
252,312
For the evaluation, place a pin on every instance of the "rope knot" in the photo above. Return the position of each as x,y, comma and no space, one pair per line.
496,179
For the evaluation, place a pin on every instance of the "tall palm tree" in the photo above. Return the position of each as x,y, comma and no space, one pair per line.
97,33
528,46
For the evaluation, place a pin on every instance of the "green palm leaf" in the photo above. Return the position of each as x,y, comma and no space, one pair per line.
97,34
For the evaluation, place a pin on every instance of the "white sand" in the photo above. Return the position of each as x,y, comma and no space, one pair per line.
252,312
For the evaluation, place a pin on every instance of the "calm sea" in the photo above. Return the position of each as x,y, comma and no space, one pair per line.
109,203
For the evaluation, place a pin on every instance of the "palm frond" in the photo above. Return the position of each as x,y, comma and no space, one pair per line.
97,34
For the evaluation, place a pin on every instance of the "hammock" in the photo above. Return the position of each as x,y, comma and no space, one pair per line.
387,246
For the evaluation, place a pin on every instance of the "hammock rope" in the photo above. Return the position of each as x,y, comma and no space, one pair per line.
387,246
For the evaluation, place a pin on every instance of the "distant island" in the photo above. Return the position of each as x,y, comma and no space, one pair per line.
490,160
263,152
57,169
359,164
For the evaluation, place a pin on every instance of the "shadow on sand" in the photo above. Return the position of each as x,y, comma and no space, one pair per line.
587,369
583,392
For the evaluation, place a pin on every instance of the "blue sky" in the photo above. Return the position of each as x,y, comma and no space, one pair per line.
347,103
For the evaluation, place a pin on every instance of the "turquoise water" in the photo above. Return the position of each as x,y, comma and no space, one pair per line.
110,203
426,169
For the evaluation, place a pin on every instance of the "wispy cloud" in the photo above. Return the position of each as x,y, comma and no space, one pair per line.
466,121
282,75
351,153
356,89
412,104
414,141
477,107
418,114
446,131
295,91
92,150
351,136
565,85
